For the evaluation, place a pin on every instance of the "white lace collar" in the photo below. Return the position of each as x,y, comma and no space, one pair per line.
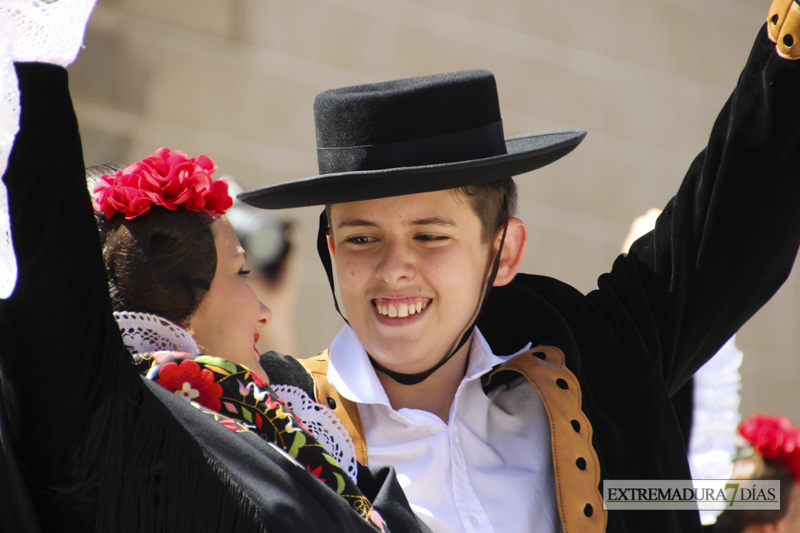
143,333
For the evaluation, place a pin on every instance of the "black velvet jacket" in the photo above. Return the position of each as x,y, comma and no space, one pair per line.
85,443
722,247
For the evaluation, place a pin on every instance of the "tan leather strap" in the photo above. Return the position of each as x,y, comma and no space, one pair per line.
346,410
783,25
577,468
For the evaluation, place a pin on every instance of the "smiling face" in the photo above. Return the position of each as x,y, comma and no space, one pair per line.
411,270
229,315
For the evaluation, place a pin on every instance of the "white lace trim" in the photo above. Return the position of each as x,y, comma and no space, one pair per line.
143,333
46,31
716,417
9,124
323,424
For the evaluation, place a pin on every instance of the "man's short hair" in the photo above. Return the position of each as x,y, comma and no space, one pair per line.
487,201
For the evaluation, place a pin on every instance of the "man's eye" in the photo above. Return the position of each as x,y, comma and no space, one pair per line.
360,240
427,237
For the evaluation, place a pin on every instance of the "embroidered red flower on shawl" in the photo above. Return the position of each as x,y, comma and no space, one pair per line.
774,438
168,178
191,382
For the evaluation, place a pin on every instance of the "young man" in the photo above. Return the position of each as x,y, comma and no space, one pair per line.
513,425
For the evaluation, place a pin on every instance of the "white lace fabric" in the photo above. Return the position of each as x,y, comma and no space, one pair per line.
715,418
44,31
323,424
145,333
9,124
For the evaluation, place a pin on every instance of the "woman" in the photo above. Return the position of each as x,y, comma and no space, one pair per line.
170,251
772,453
178,283
92,445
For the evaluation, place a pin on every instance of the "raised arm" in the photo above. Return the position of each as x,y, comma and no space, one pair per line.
728,239
60,351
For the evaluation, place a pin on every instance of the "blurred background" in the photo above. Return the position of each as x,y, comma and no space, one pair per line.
235,80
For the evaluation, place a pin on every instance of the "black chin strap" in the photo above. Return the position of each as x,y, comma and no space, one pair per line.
412,379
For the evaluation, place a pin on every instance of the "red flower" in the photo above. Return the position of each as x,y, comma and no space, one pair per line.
774,438
317,472
168,178
191,382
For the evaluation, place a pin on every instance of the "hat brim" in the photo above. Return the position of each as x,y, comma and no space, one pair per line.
525,153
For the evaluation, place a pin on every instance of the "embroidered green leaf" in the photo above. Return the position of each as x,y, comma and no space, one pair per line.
330,459
339,483
218,362
247,415
298,442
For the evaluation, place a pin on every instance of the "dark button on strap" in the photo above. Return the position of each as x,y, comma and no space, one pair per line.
588,510
581,462
331,403
540,355
576,426
561,383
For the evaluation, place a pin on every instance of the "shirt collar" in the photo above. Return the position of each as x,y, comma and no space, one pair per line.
352,375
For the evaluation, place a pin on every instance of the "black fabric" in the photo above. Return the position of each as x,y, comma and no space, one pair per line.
406,109
16,507
287,369
722,247
99,448
683,403
477,143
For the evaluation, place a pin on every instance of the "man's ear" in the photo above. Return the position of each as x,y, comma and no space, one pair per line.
331,244
513,251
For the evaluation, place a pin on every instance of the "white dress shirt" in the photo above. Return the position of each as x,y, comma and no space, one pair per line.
489,469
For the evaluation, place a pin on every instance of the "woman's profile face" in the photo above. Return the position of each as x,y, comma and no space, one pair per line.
228,317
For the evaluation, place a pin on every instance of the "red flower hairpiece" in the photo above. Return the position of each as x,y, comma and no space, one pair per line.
774,438
168,178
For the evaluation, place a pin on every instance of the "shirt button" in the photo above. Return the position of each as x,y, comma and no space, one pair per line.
474,521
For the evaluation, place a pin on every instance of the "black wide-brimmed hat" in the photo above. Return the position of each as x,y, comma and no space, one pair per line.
412,135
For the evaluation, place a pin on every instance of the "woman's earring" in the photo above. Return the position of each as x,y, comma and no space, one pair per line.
190,331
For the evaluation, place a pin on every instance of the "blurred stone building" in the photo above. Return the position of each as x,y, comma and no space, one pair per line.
235,79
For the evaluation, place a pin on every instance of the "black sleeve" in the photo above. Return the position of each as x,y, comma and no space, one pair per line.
61,356
728,239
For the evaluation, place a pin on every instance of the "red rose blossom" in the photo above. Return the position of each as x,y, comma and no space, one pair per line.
774,438
190,381
168,178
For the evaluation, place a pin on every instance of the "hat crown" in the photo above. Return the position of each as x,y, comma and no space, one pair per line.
408,122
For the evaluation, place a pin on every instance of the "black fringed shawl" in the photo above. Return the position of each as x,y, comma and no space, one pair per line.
98,447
